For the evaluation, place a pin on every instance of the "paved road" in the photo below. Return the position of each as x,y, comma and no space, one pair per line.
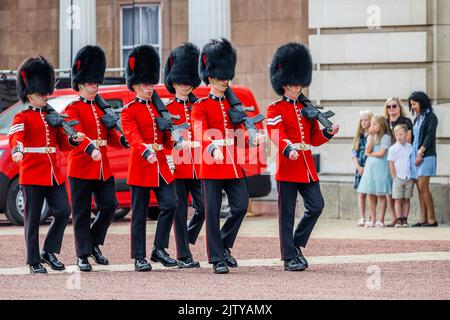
346,262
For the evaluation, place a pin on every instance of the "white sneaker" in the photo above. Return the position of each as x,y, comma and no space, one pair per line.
361,222
369,224
379,224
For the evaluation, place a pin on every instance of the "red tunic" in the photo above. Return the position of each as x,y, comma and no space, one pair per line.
286,126
30,130
212,125
141,130
80,163
184,158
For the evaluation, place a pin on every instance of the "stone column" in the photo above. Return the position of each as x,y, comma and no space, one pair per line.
208,19
83,25
441,51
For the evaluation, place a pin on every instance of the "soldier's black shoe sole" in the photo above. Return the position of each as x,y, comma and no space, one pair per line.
53,267
294,269
85,268
192,265
38,271
100,261
221,270
164,263
142,269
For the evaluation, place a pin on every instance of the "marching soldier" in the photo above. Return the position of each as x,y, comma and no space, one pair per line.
88,168
219,168
148,167
34,137
294,135
181,77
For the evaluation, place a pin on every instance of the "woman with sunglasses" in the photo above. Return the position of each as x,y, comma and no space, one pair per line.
424,148
395,114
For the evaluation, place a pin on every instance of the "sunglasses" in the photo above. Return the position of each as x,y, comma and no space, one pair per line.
392,106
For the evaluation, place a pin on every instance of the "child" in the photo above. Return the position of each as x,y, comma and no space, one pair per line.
399,158
359,159
376,180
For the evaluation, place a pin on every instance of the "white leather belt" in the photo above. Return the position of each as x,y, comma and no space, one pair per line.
39,150
300,146
99,143
223,142
155,146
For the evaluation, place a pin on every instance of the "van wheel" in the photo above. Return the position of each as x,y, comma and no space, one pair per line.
15,205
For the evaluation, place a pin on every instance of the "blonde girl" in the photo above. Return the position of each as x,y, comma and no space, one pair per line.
359,158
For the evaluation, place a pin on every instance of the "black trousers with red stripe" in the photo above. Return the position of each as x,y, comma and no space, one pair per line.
287,200
167,202
218,239
87,234
185,235
58,204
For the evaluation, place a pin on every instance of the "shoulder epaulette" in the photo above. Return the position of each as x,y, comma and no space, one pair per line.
276,102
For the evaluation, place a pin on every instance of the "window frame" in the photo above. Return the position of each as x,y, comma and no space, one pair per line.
123,47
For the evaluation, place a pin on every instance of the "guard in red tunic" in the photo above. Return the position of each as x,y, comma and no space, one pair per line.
294,135
35,136
88,168
220,168
148,168
181,77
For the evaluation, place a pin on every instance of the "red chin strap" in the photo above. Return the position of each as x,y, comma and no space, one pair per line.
205,59
132,63
78,64
170,62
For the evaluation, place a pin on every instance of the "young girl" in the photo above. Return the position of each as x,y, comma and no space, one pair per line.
359,159
376,180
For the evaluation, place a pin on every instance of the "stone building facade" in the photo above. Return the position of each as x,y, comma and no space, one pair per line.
364,51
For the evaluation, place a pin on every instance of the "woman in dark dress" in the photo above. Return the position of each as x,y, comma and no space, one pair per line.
424,148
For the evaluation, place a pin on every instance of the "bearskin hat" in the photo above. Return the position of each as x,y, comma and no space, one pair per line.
218,60
35,75
182,67
143,66
88,66
291,65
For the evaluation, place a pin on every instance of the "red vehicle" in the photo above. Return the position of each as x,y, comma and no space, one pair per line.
11,199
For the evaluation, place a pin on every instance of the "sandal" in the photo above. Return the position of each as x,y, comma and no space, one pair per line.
430,224
379,224
405,223
419,224
361,222
369,224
